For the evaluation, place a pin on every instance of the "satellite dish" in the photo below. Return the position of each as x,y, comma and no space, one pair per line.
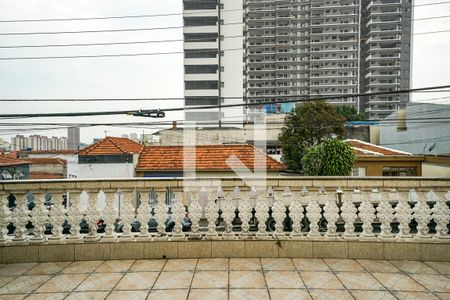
432,147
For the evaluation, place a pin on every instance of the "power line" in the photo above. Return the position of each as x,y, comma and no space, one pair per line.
288,100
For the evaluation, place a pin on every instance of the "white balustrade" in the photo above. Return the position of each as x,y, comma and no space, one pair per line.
246,213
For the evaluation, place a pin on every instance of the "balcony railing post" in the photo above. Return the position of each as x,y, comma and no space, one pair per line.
75,217
349,215
144,213
20,217
245,214
5,218
331,214
39,218
127,214
57,218
161,214
441,215
228,214
195,214
403,214
366,212
91,217
313,213
296,213
262,215
385,213
279,214
211,214
422,215
178,214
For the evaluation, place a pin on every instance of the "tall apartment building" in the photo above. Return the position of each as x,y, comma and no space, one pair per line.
213,75
73,138
313,48
385,54
38,143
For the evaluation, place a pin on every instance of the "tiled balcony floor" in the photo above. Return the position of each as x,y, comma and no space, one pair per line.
235,278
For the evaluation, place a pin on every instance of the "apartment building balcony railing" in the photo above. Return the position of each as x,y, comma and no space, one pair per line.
383,3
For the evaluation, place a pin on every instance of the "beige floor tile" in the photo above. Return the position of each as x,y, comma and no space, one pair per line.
210,279
443,296
212,264
277,264
87,296
13,297
134,295
359,281
378,266
330,294
315,265
15,269
24,284
434,283
174,280
413,267
6,279
344,265
208,294
82,267
372,295
137,281
247,279
100,282
62,283
47,268
398,282
443,267
151,265
114,266
47,296
245,264
415,296
180,265
321,280
168,294
289,294
249,294
283,280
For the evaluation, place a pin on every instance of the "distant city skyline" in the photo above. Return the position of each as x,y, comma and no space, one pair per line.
143,76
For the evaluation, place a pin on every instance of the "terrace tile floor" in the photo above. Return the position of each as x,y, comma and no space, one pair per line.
235,278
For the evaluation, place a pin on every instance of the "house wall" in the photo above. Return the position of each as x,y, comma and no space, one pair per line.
49,168
75,170
434,170
375,167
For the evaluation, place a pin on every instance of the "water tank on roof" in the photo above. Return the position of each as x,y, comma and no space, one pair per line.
287,107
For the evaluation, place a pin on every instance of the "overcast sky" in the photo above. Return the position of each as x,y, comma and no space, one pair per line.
142,76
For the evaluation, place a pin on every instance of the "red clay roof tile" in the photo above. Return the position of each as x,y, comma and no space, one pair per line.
210,157
111,146
47,161
6,160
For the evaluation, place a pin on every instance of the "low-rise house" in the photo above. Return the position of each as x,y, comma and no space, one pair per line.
47,168
205,160
374,160
13,168
111,157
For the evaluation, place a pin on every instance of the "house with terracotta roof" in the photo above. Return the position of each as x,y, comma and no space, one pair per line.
13,168
111,157
205,160
47,168
375,160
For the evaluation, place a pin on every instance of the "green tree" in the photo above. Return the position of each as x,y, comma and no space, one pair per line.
350,113
308,125
332,158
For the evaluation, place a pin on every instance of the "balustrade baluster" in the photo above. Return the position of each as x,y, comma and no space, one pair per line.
403,214
366,213
331,214
144,213
75,217
279,214
349,215
245,214
313,213
296,214
212,213
39,218
5,219
178,214
109,215
195,214
20,217
385,213
422,215
228,214
262,215
57,218
161,214
441,215
91,217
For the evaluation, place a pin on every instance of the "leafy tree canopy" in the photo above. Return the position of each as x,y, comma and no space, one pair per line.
332,158
308,125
